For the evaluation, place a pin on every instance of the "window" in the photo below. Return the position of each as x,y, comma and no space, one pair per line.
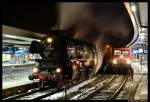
117,52
121,52
125,52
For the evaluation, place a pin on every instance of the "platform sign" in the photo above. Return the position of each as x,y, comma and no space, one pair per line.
21,50
8,57
145,51
140,50
135,51
4,57
7,52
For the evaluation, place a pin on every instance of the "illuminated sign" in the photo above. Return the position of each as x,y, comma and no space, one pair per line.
21,50
135,51
7,52
140,50
145,51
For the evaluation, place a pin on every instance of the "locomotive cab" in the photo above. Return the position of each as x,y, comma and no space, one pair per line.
121,60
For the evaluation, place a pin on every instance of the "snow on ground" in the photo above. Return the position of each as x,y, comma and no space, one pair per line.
142,90
137,67
23,64
14,83
87,91
12,77
70,90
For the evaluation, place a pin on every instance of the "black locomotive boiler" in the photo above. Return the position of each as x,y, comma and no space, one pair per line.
62,58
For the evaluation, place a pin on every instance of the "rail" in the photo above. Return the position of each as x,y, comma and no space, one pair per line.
100,93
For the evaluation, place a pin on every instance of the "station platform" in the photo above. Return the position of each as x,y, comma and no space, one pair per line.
142,72
16,75
142,90
138,68
23,64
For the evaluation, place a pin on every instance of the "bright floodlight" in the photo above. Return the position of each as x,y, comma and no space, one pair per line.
35,70
58,70
49,40
140,50
142,37
133,8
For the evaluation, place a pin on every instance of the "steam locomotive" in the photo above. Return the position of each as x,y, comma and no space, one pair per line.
62,58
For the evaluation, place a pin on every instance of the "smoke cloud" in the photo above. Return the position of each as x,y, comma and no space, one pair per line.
98,23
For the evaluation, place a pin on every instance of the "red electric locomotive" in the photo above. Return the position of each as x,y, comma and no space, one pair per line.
121,60
122,56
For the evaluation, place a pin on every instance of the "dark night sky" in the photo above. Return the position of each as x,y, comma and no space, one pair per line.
37,17
88,21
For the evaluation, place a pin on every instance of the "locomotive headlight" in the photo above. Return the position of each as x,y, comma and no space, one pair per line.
49,40
128,61
114,62
77,62
35,70
58,70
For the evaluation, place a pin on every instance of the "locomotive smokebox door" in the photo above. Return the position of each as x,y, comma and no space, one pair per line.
36,47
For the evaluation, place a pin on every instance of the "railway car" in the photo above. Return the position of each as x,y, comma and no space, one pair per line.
62,58
121,60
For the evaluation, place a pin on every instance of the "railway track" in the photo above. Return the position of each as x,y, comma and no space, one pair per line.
29,92
103,90
75,90
37,93
110,90
106,90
